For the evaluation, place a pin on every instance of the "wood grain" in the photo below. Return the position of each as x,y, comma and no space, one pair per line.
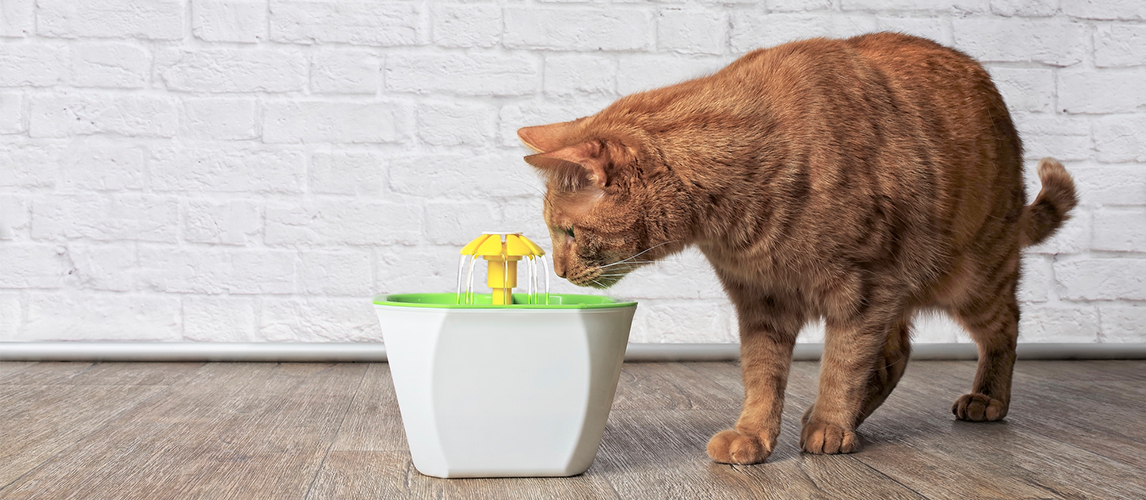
1077,429
232,431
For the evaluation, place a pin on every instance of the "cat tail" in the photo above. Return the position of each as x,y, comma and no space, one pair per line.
1050,209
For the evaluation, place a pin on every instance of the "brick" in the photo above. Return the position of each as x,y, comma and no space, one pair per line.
222,222
750,30
126,217
456,124
223,119
1059,323
456,223
1037,279
1073,237
15,217
64,115
689,31
347,172
1108,91
12,115
1089,278
1110,184
109,267
466,25
232,70
1024,8
228,170
1105,9
579,29
17,18
434,269
1063,137
105,167
1051,42
638,73
1120,229
1025,89
11,315
34,65
339,223
684,321
243,21
931,28
75,316
29,165
111,65
1120,138
959,6
798,5
336,272
457,175
1122,323
1119,45
325,121
353,22
215,271
462,74
345,72
150,19
580,74
318,320
219,319
28,265
525,214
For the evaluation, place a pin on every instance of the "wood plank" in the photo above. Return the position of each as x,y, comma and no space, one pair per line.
1082,370
660,454
1103,417
38,422
391,474
47,373
373,422
915,440
234,430
670,386
7,367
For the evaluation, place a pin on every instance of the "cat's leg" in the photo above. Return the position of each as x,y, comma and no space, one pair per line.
766,343
993,323
853,348
889,368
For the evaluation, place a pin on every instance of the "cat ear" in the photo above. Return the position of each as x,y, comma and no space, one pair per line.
574,167
544,138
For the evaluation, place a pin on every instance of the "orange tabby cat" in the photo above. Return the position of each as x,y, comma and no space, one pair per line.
858,181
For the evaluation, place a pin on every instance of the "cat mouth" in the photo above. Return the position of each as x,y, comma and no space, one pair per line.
596,279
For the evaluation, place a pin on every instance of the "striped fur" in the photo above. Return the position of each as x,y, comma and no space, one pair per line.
859,181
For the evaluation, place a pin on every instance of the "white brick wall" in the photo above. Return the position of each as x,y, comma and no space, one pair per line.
253,170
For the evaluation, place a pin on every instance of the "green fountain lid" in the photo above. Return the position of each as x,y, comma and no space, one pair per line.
485,301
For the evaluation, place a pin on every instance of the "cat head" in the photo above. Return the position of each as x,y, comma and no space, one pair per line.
609,204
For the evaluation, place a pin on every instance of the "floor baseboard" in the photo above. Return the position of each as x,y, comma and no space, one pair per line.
376,352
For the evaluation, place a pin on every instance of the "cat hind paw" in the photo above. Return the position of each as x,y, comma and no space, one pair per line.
979,408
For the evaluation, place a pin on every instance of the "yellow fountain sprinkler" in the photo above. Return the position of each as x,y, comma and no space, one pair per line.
502,251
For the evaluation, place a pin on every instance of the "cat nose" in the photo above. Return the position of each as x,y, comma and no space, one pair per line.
559,268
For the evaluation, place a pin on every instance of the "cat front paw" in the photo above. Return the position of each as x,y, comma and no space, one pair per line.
979,408
820,437
732,447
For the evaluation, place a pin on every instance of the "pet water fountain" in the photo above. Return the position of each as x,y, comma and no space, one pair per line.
504,384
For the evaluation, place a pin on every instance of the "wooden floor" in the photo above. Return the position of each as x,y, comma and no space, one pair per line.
1076,429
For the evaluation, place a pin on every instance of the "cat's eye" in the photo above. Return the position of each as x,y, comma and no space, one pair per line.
569,231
